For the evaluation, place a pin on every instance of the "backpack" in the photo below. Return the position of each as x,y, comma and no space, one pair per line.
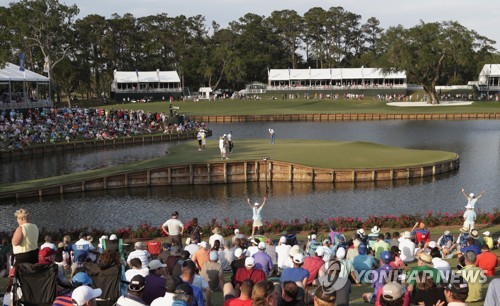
313,245
463,240
446,239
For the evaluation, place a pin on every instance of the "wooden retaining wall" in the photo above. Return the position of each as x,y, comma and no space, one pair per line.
238,172
83,145
345,117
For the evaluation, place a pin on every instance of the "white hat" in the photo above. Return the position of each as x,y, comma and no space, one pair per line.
407,235
471,195
249,262
314,237
236,231
188,240
432,244
113,237
83,294
203,244
375,229
139,245
487,233
262,245
446,232
320,251
256,204
298,258
238,252
360,231
340,253
294,250
282,239
156,264
104,237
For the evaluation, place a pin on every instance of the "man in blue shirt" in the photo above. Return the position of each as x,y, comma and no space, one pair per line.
297,273
363,264
262,260
188,276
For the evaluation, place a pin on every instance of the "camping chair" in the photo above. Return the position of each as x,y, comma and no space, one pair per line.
154,247
37,283
107,278
115,245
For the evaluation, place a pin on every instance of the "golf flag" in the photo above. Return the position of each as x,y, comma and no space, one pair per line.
21,61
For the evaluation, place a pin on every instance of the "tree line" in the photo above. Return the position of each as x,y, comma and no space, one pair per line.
82,53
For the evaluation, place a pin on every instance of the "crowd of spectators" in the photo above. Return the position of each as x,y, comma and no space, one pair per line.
53,125
395,269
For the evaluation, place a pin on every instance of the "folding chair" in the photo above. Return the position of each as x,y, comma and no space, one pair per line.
154,247
37,283
115,245
107,278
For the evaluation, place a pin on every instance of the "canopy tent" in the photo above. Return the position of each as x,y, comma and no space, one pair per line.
335,76
23,89
146,77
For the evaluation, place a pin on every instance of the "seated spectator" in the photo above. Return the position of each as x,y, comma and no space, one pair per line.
141,253
135,292
282,252
313,264
393,294
427,291
262,260
470,273
487,261
446,240
48,243
155,281
64,298
421,233
187,277
240,256
202,255
135,268
363,263
170,287
290,295
487,239
438,263
212,272
245,298
456,292
297,273
424,262
324,297
248,272
493,293
226,257
216,236
407,248
263,294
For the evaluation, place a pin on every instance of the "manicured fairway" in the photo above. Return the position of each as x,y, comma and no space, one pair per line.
300,106
314,153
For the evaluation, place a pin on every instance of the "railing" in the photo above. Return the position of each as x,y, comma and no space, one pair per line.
26,104
335,87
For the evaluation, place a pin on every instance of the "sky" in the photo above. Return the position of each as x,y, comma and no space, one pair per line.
481,16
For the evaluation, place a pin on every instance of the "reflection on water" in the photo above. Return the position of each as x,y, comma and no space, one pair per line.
477,143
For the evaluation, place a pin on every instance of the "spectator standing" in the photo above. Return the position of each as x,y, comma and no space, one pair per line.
25,239
257,214
174,229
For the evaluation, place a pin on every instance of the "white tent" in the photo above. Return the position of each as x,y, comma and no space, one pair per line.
11,72
491,73
147,77
205,92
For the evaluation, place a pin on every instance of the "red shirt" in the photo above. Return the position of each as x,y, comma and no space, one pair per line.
256,275
487,261
312,264
422,235
238,302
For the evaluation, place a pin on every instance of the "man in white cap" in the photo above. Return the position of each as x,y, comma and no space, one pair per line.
487,239
141,253
445,240
314,263
257,214
202,255
262,260
191,246
238,234
297,273
471,199
85,296
248,272
156,281
282,251
407,248
373,235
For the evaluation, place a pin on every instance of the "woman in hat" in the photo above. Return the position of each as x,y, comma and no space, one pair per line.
257,214
471,199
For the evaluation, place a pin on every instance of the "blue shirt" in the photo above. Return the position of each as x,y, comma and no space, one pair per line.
294,274
474,248
257,213
198,296
263,261
363,264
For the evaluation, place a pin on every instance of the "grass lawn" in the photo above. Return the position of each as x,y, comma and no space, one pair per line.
300,106
314,153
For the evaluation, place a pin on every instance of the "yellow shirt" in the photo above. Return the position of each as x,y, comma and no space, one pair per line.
489,242
30,239
472,275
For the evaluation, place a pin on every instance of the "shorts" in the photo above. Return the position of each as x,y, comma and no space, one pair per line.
257,223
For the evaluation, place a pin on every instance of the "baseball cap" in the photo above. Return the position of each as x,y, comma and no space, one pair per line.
487,233
282,239
432,244
407,235
360,231
314,237
238,252
81,278
262,245
326,241
320,251
446,232
184,288
340,253
294,250
113,237
203,244
375,229
83,294
392,291
457,285
249,262
137,283
236,231
362,249
256,204
139,245
471,195
156,264
386,256
298,258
